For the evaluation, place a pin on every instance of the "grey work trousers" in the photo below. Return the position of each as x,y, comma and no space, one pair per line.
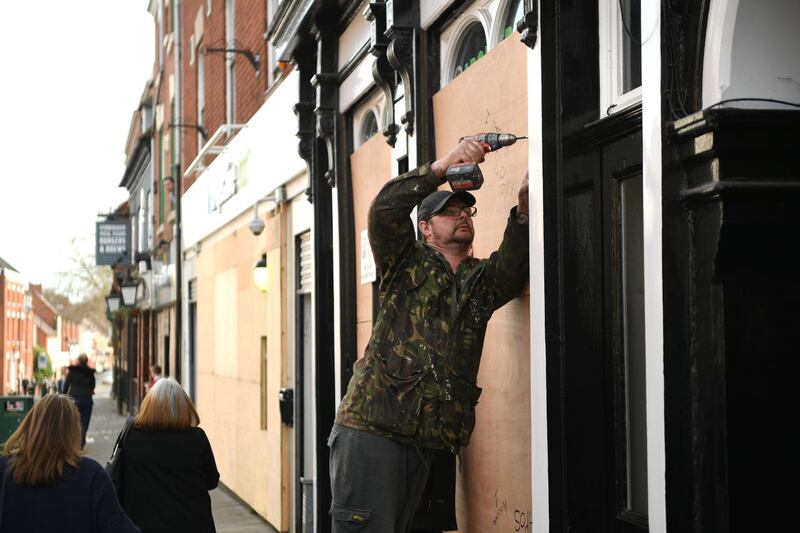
376,482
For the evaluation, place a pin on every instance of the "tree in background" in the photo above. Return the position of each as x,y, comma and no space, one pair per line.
82,287
41,373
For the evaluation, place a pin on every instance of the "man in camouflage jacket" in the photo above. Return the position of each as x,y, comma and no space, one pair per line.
415,389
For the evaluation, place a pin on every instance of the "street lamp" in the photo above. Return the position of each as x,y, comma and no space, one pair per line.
261,274
112,302
129,289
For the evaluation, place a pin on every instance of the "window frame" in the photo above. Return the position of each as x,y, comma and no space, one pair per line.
611,59
451,38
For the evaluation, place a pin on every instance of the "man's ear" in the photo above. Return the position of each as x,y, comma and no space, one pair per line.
424,229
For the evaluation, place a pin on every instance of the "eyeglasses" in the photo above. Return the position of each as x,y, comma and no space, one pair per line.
454,211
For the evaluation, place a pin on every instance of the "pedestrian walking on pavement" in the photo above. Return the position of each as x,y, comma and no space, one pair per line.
79,384
155,375
168,466
47,486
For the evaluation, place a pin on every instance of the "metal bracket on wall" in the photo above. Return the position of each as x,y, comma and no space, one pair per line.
382,71
253,59
400,54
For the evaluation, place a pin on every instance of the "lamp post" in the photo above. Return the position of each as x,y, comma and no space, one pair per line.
261,274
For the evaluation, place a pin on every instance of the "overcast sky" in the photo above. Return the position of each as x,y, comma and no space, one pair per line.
72,75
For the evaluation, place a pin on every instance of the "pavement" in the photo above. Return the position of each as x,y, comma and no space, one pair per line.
230,514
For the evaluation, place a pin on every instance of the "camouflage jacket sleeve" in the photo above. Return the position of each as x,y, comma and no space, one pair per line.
507,268
391,229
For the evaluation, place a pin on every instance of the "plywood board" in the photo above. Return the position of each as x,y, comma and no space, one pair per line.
370,168
233,315
494,489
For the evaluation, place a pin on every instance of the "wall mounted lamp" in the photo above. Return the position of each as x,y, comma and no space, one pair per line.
112,302
129,288
261,274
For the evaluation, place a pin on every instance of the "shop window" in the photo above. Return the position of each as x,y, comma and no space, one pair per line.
471,47
514,14
620,55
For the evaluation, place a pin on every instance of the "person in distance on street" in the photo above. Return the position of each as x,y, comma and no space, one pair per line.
155,375
79,384
168,466
47,486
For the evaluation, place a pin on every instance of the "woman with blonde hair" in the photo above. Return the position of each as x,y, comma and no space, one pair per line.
167,465
47,485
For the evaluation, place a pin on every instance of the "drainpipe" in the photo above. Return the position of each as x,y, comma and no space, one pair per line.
176,172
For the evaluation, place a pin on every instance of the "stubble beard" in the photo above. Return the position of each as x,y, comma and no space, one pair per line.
463,239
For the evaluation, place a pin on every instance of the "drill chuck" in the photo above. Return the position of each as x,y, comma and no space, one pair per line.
495,141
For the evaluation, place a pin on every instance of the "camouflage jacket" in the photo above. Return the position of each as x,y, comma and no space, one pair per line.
417,381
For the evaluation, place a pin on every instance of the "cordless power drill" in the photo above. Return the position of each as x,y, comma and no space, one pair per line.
468,176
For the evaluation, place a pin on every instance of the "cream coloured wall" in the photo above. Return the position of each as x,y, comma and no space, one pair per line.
233,316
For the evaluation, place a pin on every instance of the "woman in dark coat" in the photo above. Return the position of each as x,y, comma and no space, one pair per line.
79,384
47,486
167,465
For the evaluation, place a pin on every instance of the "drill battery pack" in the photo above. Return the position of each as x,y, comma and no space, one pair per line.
464,177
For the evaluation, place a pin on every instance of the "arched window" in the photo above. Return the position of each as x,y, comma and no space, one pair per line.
513,15
369,127
472,47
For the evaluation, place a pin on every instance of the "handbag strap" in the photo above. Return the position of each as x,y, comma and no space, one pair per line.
123,435
3,488
127,429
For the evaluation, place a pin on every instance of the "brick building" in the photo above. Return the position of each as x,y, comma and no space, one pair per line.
16,330
45,317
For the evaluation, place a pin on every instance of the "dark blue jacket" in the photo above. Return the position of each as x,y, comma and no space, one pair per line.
83,502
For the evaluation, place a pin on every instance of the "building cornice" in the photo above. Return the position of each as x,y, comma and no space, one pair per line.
289,18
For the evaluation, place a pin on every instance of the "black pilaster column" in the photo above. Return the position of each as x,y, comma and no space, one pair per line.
323,177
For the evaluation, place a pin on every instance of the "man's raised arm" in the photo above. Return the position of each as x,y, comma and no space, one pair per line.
391,230
508,266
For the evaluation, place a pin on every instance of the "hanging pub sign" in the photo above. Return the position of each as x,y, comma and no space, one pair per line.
113,246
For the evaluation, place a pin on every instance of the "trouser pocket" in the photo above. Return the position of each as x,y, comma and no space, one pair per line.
346,519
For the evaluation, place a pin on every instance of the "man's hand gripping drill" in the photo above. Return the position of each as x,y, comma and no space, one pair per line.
460,166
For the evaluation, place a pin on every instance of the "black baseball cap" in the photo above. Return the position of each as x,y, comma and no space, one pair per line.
434,202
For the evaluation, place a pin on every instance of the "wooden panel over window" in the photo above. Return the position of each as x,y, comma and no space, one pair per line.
370,167
494,490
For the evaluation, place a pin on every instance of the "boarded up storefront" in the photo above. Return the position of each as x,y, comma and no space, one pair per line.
494,486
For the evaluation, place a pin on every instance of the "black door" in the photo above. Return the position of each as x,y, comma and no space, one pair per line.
594,287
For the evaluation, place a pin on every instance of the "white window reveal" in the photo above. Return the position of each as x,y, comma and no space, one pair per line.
620,55
369,126
513,14
471,48
368,118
